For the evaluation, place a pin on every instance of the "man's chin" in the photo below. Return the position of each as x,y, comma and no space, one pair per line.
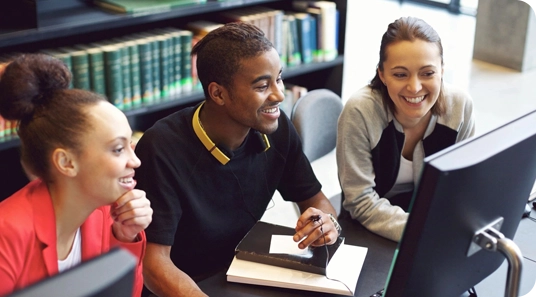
268,130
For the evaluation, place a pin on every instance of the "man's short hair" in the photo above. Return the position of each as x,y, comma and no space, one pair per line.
219,53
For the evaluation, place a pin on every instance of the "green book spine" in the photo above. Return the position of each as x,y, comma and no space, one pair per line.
125,76
96,71
155,51
164,46
303,21
114,80
175,59
186,69
80,70
96,67
146,70
135,73
294,56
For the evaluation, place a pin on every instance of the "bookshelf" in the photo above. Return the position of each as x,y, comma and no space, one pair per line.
60,23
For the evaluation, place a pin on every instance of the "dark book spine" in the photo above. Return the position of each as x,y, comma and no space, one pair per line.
164,45
80,70
186,74
146,70
125,75
114,80
135,73
177,61
155,65
96,70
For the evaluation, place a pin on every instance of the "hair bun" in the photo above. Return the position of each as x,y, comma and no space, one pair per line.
28,82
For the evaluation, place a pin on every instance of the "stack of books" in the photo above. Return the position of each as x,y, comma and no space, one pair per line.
334,269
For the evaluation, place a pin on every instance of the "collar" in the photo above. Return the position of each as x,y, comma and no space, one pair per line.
207,142
211,146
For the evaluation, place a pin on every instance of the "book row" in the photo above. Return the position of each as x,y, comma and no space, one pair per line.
156,65
132,70
308,34
8,128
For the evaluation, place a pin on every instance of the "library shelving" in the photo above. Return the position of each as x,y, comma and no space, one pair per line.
30,26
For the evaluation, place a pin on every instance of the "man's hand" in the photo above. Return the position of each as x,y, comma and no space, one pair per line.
316,227
132,213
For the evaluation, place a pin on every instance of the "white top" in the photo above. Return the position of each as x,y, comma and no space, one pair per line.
404,180
405,172
75,255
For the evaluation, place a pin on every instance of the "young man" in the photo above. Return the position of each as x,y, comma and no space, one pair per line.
211,170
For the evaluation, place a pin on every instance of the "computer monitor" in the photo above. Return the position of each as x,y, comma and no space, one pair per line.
108,275
463,189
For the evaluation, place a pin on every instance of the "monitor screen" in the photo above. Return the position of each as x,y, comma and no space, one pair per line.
463,189
110,274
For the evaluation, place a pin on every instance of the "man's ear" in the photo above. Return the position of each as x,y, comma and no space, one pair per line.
217,93
64,161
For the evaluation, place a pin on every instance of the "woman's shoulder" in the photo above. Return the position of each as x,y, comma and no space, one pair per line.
455,95
367,102
365,95
16,218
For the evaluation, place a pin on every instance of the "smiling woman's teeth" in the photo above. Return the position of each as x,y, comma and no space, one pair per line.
271,110
414,99
126,180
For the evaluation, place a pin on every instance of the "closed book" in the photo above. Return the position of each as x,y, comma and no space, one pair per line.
146,68
283,55
125,75
303,20
165,48
113,74
96,67
186,74
293,47
176,59
80,70
329,29
313,39
278,27
255,247
155,65
135,74
341,279
318,52
143,7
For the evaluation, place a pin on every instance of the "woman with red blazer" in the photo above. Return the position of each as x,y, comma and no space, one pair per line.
83,200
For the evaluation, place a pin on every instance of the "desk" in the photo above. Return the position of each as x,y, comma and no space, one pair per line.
377,265
372,278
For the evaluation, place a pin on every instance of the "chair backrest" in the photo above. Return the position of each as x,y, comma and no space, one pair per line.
315,117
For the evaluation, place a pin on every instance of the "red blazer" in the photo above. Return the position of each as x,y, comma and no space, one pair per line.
28,239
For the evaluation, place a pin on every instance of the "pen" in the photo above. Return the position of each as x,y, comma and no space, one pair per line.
378,294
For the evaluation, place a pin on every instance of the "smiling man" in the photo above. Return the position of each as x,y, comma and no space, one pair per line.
211,170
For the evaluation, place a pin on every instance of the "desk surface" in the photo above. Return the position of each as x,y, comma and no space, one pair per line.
372,277
377,265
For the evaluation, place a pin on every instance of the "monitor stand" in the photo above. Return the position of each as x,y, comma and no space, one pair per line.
491,239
